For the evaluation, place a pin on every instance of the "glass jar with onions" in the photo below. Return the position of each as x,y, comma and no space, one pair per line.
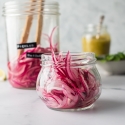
28,25
69,81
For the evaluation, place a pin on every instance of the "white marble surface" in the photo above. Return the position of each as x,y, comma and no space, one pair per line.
24,107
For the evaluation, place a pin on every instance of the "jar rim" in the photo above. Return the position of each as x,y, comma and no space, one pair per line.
28,2
79,58
14,8
95,26
72,53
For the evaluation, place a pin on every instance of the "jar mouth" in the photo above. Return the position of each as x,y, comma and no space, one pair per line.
92,27
14,2
13,8
76,59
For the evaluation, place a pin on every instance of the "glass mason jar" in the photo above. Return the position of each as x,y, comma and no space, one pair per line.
96,39
29,25
72,82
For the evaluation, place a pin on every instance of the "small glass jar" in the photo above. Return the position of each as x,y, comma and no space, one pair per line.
29,25
96,39
69,81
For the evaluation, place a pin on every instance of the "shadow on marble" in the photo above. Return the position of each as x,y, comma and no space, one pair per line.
108,105
25,88
101,106
104,105
114,82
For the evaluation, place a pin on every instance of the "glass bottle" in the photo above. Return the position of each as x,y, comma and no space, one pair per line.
69,81
99,43
29,25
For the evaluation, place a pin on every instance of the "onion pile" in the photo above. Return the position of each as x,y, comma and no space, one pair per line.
66,85
23,71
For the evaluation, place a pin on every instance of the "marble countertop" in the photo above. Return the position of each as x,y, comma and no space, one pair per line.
24,107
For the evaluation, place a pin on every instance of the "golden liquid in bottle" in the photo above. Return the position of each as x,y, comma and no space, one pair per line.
100,46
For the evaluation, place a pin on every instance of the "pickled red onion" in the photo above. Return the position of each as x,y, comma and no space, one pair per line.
60,91
66,86
23,71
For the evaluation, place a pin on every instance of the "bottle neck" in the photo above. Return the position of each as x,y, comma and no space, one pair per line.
92,27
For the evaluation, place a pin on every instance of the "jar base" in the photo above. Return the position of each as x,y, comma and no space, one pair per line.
75,109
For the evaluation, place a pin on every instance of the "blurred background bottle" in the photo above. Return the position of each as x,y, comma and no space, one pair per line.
92,42
96,39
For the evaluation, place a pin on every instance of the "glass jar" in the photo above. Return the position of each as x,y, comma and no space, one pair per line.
29,25
96,39
69,81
